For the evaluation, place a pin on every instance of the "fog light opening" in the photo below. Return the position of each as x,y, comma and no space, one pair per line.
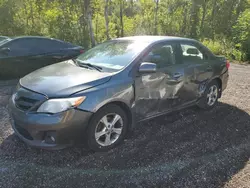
50,137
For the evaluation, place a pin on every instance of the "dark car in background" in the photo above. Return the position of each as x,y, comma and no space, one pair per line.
101,95
22,55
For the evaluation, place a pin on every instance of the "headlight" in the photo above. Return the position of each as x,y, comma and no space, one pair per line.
58,105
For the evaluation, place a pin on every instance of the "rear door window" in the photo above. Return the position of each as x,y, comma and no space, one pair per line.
22,47
192,54
191,51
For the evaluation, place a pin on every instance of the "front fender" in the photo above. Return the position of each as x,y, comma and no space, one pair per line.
113,91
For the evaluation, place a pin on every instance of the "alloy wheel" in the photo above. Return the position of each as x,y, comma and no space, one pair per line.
108,129
212,95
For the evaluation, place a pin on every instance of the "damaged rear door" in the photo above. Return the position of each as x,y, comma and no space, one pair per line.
198,64
158,92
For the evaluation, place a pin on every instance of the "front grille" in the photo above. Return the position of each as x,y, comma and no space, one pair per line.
23,132
27,100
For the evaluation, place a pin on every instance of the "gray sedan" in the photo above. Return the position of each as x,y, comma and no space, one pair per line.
97,98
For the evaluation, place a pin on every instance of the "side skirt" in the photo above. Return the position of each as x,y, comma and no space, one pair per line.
190,104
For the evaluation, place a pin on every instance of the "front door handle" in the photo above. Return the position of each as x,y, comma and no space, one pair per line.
175,79
177,75
209,68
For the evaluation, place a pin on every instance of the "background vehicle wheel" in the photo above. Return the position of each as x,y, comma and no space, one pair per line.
210,96
107,128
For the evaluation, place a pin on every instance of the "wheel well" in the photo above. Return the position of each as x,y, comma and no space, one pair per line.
126,109
218,80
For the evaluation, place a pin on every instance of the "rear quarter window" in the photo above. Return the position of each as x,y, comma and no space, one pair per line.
35,46
21,47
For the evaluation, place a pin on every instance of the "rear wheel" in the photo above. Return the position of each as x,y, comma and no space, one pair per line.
107,128
210,96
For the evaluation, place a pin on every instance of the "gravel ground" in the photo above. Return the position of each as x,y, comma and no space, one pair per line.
190,148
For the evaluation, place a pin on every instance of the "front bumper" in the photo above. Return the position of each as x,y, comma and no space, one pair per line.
66,127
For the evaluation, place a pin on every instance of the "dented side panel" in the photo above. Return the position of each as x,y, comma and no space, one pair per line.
149,91
161,91
151,94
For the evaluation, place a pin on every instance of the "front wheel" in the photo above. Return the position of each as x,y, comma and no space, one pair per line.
107,128
210,96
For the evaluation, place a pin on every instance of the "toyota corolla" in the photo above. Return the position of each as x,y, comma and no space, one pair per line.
100,96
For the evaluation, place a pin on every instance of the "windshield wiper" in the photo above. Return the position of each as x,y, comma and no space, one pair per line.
82,64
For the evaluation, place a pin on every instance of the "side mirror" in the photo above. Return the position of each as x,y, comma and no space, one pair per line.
147,67
4,51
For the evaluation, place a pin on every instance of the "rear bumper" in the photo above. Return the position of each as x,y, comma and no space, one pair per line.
34,128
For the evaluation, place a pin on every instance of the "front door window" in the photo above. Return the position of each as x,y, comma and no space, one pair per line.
161,55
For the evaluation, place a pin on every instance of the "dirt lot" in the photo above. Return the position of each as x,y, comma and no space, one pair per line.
191,148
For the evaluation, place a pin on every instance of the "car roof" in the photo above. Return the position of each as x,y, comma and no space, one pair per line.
4,37
151,38
39,37
34,37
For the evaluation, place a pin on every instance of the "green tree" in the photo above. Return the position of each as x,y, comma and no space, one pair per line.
242,33
87,22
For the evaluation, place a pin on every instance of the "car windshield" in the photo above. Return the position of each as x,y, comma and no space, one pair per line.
113,55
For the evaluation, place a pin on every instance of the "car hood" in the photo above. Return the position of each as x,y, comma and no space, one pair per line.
63,79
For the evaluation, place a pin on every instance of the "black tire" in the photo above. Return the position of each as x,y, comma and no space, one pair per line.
109,109
203,102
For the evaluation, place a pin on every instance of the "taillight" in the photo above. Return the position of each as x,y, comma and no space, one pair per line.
227,64
81,51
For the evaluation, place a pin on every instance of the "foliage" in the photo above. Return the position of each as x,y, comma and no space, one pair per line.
242,33
223,46
215,46
222,25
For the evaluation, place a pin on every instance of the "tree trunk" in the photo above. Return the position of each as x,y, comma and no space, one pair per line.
212,16
106,18
132,3
239,8
26,13
229,18
83,25
213,10
204,11
156,16
92,37
32,16
96,27
121,18
88,17
194,19
184,24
